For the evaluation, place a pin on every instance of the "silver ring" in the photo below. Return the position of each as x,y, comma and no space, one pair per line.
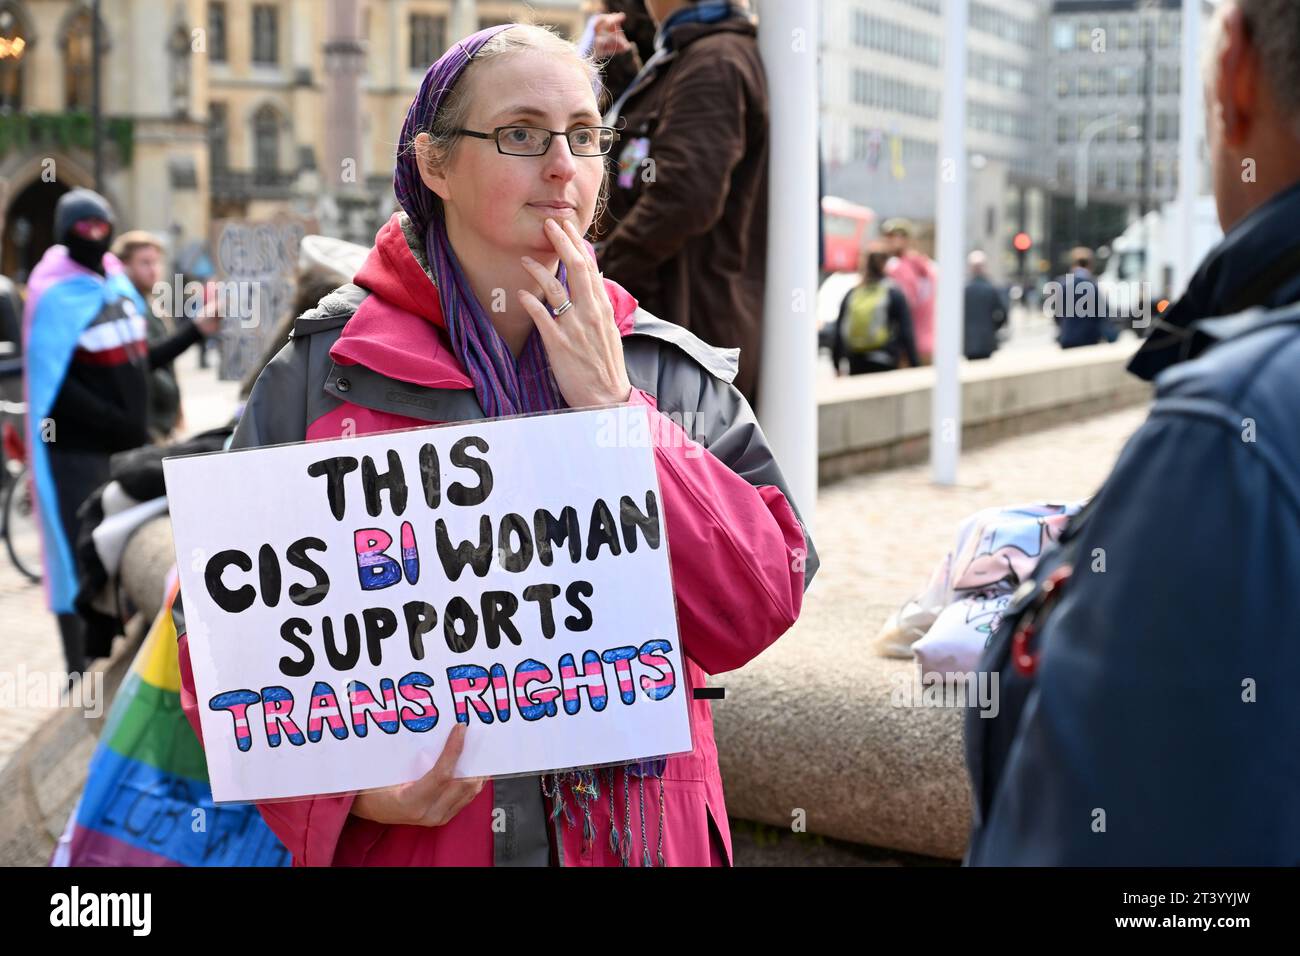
568,304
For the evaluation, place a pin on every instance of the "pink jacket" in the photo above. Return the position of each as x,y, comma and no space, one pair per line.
917,276
739,556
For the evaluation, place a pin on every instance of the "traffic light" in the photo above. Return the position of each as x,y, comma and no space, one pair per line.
1022,244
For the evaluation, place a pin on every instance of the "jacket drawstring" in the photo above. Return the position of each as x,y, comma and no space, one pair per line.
627,822
586,790
613,829
663,782
645,847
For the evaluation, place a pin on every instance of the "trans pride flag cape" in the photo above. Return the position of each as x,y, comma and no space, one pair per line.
147,801
63,298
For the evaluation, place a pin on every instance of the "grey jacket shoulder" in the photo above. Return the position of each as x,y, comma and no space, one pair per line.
283,399
332,312
691,383
722,364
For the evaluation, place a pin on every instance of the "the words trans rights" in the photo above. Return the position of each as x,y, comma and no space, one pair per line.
348,602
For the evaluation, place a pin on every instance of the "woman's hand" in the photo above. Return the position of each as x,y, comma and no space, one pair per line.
609,37
431,801
583,345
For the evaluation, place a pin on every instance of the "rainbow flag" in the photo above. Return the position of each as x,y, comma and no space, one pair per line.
147,801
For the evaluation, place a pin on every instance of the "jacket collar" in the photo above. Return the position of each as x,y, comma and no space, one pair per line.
1256,265
683,34
398,331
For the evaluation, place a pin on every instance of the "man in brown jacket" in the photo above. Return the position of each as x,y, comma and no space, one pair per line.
685,230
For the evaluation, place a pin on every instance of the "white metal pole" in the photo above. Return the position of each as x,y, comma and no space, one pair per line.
950,228
788,45
1190,129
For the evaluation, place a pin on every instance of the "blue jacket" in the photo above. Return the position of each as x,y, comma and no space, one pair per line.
1081,312
1152,718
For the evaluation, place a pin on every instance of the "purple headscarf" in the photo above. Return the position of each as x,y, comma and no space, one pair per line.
503,386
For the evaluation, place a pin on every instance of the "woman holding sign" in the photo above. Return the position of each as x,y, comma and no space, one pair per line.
482,299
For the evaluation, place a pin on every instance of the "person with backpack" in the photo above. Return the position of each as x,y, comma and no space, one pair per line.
874,328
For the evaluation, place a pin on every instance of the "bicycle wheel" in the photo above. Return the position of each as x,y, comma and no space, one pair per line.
21,534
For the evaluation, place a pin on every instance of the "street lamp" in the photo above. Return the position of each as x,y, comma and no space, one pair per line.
1085,142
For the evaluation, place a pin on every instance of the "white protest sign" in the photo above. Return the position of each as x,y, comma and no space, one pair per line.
347,602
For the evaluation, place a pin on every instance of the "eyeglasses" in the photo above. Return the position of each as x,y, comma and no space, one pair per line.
533,141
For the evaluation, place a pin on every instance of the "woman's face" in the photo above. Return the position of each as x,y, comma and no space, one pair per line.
504,201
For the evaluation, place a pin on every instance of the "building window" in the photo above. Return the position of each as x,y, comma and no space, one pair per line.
886,92
266,34
266,143
13,48
78,62
219,137
217,31
428,39
858,150
896,40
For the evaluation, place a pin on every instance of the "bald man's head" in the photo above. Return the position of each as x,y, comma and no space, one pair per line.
1251,73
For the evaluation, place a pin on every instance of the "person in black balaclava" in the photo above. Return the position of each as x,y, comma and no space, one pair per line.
87,381
84,222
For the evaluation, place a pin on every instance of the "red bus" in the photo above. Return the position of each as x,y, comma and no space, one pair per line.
844,230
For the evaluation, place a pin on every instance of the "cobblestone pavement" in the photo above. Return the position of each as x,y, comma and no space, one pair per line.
879,535
29,637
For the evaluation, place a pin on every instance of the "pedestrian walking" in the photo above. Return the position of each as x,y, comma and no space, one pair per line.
985,312
874,330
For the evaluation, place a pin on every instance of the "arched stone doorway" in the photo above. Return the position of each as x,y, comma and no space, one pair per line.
28,208
29,227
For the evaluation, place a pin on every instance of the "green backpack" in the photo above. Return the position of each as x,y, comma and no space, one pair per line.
867,328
